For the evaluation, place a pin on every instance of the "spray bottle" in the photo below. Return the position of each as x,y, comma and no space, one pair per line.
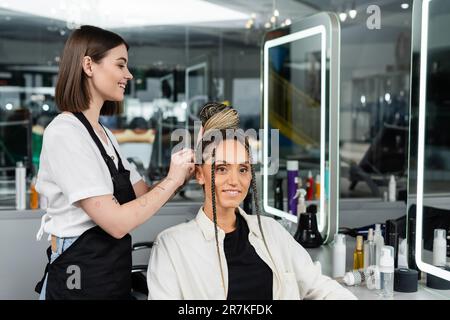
369,250
300,195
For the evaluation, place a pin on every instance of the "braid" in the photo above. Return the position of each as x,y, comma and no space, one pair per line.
255,190
213,199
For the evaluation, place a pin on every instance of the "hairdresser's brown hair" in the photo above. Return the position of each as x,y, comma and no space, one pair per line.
72,90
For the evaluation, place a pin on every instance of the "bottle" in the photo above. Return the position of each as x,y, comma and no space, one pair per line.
355,277
318,187
392,189
358,255
279,194
301,207
310,187
379,243
339,255
387,272
440,248
292,182
34,196
369,250
20,186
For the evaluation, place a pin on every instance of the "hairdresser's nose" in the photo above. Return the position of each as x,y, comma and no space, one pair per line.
129,76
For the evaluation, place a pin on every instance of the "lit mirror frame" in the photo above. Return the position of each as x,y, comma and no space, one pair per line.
420,47
204,66
326,25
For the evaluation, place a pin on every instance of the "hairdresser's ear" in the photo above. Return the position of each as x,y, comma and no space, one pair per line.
87,66
199,175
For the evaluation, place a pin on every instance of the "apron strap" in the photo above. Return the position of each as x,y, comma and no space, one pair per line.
106,157
121,167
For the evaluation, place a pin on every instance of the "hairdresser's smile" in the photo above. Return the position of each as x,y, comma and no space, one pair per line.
123,85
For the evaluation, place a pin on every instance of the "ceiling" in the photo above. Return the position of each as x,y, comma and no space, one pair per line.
26,27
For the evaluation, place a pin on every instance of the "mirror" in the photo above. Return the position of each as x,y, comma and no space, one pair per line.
429,161
300,105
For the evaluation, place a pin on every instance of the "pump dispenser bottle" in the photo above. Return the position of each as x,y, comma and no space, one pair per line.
387,272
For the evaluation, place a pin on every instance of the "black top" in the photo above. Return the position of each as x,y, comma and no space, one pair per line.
249,277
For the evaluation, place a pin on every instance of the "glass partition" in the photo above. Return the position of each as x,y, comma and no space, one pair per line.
196,90
429,162
300,100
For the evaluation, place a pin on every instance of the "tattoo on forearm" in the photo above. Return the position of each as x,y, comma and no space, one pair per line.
159,187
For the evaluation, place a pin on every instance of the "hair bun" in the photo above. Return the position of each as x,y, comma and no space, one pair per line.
219,116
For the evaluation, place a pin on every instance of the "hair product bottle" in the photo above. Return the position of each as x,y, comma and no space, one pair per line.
358,255
292,182
379,243
20,186
339,255
310,187
387,272
440,248
369,250
392,189
34,196
317,186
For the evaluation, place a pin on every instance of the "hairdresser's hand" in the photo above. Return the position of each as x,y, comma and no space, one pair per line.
181,166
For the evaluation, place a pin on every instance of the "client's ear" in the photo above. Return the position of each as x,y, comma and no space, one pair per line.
199,175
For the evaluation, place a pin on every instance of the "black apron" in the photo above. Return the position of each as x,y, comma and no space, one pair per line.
102,262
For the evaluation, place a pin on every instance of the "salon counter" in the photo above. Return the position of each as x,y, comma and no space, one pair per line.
324,256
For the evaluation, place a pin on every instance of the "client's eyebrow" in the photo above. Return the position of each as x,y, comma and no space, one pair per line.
225,162
122,58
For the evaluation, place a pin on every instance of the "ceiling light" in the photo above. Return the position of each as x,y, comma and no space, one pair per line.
45,107
405,6
352,13
9,106
273,19
135,13
343,16
276,13
267,25
363,99
288,22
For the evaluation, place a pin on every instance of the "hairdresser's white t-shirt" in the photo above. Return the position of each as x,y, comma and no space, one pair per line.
72,169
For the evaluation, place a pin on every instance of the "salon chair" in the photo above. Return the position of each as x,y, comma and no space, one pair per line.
139,290
385,157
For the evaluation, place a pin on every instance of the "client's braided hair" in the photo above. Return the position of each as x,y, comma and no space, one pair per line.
225,117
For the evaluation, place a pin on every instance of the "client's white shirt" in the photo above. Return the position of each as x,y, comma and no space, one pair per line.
184,263
72,168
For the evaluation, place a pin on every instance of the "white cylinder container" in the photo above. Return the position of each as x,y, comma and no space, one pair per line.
21,190
440,248
339,255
